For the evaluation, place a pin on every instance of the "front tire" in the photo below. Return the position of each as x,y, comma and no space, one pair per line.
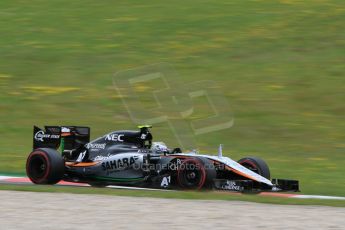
45,166
196,173
256,165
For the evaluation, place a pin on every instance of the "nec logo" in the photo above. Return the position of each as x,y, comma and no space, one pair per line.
114,137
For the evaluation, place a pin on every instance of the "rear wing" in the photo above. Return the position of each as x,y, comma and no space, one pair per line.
67,138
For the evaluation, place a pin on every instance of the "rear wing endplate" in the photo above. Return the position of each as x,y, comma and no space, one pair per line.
67,137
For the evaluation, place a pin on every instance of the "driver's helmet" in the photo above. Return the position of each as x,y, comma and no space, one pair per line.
159,147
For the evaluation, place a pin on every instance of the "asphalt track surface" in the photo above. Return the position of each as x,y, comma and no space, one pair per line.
29,210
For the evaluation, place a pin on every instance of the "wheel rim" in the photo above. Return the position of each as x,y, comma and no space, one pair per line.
191,175
38,167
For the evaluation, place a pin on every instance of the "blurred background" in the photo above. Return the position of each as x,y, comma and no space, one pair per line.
280,65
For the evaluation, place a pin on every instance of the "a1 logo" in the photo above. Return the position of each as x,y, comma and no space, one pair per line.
165,182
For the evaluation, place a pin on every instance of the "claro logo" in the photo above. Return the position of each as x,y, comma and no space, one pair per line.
114,137
40,135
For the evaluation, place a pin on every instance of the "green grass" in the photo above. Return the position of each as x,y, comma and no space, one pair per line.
173,195
280,65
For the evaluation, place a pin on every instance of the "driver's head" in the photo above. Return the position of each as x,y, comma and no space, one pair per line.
159,147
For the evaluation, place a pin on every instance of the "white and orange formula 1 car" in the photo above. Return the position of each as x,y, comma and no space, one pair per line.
131,158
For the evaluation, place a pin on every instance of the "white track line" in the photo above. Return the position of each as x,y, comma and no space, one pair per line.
8,177
319,197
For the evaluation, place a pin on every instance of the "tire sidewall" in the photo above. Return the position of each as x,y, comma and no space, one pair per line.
256,162
207,173
54,166
48,166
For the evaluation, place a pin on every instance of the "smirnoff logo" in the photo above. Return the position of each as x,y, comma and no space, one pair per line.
96,146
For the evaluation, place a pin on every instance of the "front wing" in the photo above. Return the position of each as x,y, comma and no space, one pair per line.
279,185
244,186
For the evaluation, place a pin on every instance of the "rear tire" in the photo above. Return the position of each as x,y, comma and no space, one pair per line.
196,173
257,165
45,166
